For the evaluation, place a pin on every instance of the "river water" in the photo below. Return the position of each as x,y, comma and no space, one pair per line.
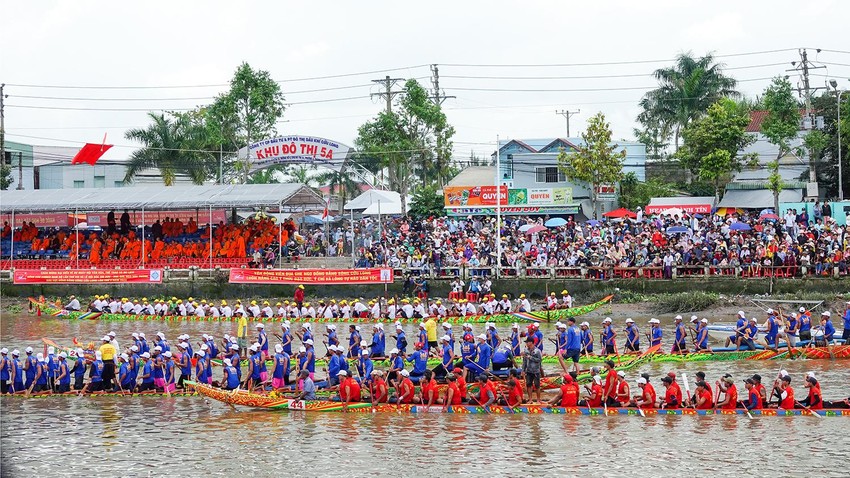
190,436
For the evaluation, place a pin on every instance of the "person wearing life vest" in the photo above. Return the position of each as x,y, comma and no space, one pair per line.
703,400
814,400
646,398
730,393
568,393
486,392
753,401
593,398
405,390
784,392
453,393
672,395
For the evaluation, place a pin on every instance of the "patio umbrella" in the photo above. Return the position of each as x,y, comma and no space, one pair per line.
770,216
555,222
592,223
740,226
677,230
766,211
535,229
620,213
725,211
525,227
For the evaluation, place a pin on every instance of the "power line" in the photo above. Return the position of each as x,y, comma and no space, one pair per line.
589,77
67,108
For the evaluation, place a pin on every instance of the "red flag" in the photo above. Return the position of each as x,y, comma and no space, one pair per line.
90,153
325,212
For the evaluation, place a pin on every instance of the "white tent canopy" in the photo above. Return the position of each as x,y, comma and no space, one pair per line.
373,197
244,196
382,209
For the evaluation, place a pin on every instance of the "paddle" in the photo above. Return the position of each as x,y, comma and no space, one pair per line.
716,395
687,388
749,415
167,391
809,409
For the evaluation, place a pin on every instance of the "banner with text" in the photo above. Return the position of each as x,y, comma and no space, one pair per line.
464,196
295,149
310,276
88,276
461,196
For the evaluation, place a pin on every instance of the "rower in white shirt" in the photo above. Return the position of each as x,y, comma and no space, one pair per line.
375,309
566,299
470,307
406,309
214,312
114,306
267,310
199,311
330,311
345,310
524,304
504,305
226,311
254,309
391,309
552,301
182,310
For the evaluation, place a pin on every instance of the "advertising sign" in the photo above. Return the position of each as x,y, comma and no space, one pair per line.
295,149
311,276
88,276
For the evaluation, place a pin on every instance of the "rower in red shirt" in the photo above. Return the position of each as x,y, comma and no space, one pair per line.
405,390
452,392
380,390
349,389
753,401
730,393
782,389
623,398
676,388
428,389
486,392
672,395
646,398
568,393
760,388
704,400
814,400
461,384
609,391
594,397
515,393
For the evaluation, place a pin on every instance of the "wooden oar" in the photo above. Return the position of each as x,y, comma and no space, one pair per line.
749,415
809,409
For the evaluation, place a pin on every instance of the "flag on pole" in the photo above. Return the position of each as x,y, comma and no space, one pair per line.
327,206
90,153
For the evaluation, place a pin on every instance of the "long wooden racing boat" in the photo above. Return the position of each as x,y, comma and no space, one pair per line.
534,316
247,399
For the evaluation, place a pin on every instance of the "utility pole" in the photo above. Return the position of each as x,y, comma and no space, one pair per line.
806,93
2,123
438,98
567,114
388,92
20,170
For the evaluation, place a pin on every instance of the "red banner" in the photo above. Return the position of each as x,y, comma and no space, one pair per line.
88,276
310,276
688,208
39,220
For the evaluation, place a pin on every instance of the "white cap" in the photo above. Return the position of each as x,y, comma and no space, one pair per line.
200,353
621,374
769,311
331,327
254,348
364,352
561,326
141,335
105,338
607,320
278,348
307,325
134,348
678,317
654,321
802,309
794,315
630,321
227,362
357,328
158,348
160,335
704,321
398,327
183,345
482,337
204,347
285,325
394,351
111,333
79,352
586,324
558,324
261,325
514,325
234,347
146,355
135,335
167,354
64,355
125,357
783,373
826,313
302,349
381,326
363,343
204,336
332,348
811,374
4,351
446,338
341,372
447,325
741,313
641,381
422,324
309,341
51,350
405,373
226,336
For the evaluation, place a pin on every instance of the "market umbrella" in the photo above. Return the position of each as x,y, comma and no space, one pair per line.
555,222
770,216
766,211
525,227
725,211
620,213
677,230
740,226
592,222
535,229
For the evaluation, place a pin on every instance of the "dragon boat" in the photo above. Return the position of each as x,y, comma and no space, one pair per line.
270,402
535,316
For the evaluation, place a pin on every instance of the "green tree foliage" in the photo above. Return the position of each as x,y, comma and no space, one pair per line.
426,202
170,144
815,142
634,193
339,184
783,116
414,140
5,175
712,143
774,183
596,162
827,168
685,92
248,111
270,175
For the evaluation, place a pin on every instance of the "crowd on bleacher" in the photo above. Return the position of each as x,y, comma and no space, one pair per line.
751,242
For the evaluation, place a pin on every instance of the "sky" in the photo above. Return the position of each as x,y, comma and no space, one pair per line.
539,56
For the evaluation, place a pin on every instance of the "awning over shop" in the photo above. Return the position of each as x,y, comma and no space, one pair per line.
758,198
691,205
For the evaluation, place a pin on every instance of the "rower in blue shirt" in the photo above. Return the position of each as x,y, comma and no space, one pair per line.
656,334
485,352
586,339
573,352
750,333
515,340
447,362
419,358
827,327
96,372
701,342
632,336
79,370
400,339
805,324
379,343
231,378
537,335
740,325
334,365
353,341
423,337
493,339
201,367
468,352
280,373
365,367
286,339
846,334
679,344
333,338
608,337
63,376
771,330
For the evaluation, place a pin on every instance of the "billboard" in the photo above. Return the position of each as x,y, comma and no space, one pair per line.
310,276
295,149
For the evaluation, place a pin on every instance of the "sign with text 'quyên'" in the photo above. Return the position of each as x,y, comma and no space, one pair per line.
462,196
311,276
88,276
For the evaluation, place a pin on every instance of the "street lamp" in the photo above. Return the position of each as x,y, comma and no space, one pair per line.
838,94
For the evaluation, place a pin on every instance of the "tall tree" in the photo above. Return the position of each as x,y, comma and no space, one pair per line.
5,175
685,91
408,140
597,161
827,170
426,202
270,175
775,183
713,142
170,144
340,184
249,110
783,116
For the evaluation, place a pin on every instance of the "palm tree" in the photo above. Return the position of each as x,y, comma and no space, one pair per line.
685,92
340,184
300,174
266,176
169,144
